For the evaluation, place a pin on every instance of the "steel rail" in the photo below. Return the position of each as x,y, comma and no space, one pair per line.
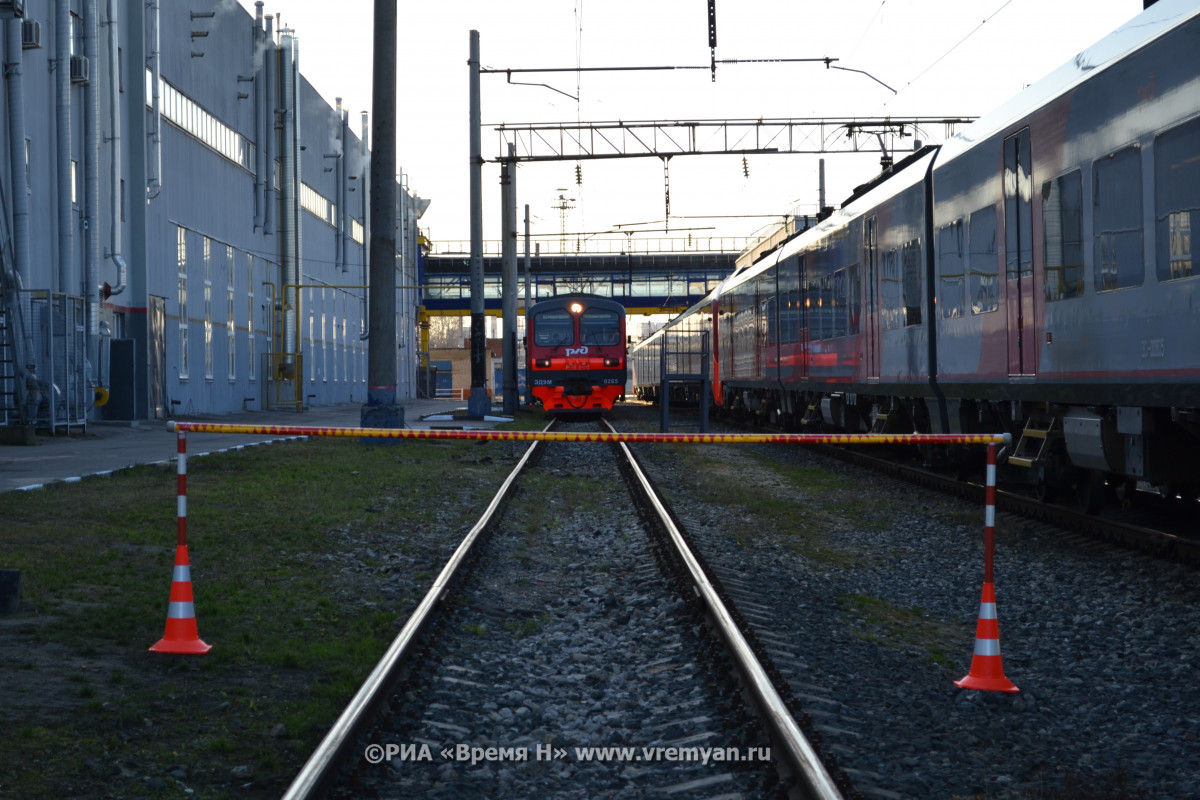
815,781
315,777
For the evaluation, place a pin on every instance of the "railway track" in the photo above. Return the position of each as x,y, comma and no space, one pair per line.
573,643
1135,531
886,577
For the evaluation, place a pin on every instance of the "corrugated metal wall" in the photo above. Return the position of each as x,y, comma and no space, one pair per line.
199,246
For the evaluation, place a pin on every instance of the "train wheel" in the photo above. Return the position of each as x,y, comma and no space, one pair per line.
1089,491
963,465
1046,490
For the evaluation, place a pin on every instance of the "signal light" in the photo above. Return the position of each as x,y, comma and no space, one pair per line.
612,362
543,363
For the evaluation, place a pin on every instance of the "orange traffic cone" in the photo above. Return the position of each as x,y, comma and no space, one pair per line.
987,668
181,635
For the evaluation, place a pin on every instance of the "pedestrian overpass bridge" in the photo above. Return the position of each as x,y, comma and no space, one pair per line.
645,283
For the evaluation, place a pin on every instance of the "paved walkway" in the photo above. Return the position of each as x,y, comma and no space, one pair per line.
110,446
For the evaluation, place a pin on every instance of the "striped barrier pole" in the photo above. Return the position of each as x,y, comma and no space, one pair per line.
181,635
987,666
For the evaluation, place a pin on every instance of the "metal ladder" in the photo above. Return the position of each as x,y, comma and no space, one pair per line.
12,411
1036,439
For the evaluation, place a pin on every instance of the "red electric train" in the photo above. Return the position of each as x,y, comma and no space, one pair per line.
575,349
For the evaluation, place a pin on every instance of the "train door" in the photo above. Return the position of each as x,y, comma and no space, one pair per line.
1018,258
870,288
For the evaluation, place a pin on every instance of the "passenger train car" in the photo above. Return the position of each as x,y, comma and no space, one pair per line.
575,347
1034,275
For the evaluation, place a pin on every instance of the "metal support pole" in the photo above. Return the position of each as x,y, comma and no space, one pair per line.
477,404
380,410
705,380
664,388
528,302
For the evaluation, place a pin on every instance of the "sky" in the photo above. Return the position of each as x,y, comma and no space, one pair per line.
943,58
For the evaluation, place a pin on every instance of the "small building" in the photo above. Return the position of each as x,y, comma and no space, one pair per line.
453,366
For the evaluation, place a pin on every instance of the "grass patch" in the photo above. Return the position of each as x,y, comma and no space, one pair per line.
292,637
885,624
781,502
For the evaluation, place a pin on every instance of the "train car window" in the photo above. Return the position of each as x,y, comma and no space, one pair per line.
767,320
599,326
1176,199
553,328
824,309
912,282
889,290
1062,236
983,265
854,299
1117,219
789,299
838,311
951,270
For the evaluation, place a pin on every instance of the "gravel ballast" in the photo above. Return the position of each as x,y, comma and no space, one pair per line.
880,615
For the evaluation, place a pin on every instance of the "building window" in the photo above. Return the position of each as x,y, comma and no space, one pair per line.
251,355
208,330
231,336
1117,219
180,110
312,340
181,271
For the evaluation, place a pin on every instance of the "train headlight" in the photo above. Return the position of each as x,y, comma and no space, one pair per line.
576,308
612,362
541,363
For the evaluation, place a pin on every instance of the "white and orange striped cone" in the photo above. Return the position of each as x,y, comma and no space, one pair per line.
181,635
987,667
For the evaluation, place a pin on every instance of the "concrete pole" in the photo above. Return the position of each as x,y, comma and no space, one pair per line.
478,404
508,182
380,410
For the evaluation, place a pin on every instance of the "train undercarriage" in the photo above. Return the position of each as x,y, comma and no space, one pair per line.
1092,455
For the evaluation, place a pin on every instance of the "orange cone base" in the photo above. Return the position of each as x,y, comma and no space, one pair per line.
1000,684
181,637
987,674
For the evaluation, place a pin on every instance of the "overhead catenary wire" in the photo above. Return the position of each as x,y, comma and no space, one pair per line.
956,45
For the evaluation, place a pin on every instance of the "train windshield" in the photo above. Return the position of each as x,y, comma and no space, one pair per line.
599,326
553,328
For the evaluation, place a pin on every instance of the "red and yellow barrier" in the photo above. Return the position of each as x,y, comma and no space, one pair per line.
558,436
986,671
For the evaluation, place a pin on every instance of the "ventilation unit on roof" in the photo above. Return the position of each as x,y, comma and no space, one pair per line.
79,69
31,34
